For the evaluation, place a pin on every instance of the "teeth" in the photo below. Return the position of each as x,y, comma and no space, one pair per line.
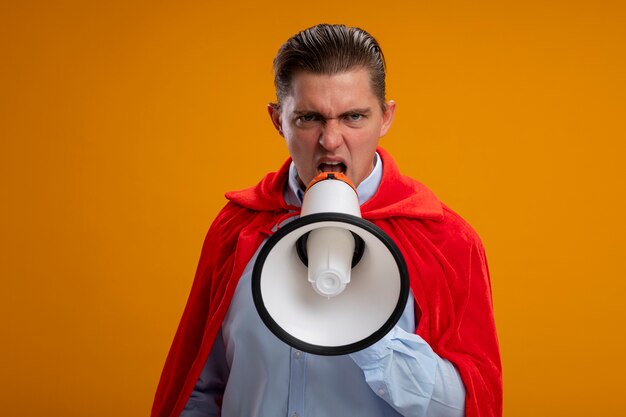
334,164
331,166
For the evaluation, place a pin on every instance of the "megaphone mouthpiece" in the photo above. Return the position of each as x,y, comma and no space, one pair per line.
331,176
331,192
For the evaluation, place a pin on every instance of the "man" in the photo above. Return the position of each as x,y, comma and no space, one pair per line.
441,359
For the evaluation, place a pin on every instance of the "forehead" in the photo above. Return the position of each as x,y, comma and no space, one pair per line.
327,93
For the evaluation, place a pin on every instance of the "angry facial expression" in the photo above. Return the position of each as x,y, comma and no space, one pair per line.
332,123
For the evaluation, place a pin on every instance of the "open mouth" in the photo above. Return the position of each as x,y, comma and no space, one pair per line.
332,167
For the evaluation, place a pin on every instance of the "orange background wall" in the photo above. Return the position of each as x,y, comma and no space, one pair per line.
123,123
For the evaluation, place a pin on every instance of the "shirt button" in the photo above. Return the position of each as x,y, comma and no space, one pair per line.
381,392
297,354
295,415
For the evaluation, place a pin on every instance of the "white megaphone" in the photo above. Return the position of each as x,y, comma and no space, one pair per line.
330,283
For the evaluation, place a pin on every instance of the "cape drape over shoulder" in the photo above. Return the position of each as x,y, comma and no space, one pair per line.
447,270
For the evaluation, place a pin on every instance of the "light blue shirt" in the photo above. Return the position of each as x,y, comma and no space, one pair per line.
251,373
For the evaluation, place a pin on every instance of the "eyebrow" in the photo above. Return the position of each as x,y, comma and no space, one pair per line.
364,110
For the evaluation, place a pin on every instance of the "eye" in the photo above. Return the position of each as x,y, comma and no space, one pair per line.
307,118
354,117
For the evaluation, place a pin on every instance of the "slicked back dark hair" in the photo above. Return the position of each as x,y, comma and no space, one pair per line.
326,50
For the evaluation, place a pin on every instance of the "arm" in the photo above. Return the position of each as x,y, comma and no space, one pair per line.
452,288
206,398
404,371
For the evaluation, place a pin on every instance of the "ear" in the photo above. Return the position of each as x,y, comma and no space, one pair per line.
388,115
275,115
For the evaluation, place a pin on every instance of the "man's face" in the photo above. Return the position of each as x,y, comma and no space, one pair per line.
332,123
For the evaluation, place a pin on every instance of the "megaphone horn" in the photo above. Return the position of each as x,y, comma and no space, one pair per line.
330,282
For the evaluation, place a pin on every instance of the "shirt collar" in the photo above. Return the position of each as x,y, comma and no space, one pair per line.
367,188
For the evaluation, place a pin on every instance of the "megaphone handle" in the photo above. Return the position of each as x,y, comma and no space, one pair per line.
359,248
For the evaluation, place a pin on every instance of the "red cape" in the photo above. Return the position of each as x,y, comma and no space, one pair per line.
447,269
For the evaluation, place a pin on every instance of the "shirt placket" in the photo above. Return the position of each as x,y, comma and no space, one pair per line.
297,380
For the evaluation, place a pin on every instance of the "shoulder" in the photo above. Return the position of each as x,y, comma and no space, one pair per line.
450,232
231,219
459,227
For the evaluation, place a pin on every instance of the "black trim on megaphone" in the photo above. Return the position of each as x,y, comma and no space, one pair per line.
330,350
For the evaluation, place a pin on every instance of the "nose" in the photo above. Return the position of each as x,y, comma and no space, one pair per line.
331,136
